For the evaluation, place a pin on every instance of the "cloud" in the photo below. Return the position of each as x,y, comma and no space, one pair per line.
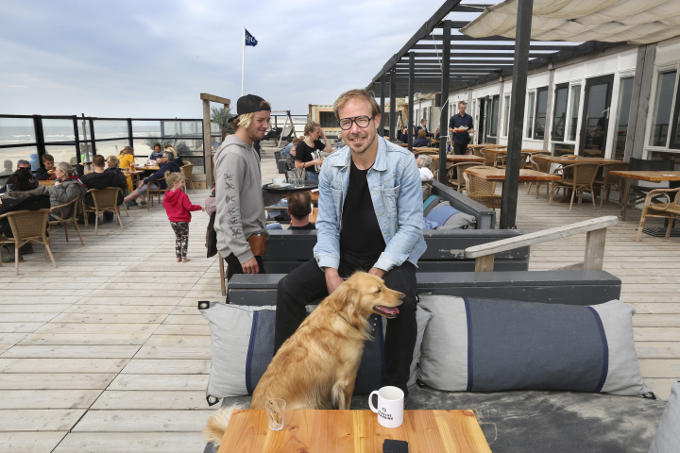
153,58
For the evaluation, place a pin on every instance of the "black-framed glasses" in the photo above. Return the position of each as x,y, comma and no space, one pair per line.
362,121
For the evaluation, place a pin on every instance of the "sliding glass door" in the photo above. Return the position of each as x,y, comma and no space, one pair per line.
598,95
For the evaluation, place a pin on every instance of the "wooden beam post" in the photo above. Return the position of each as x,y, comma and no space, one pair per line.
207,145
484,263
594,255
520,68
411,90
443,114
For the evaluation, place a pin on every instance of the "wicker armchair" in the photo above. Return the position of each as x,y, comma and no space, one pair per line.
492,158
669,210
543,166
607,181
187,170
104,200
455,174
72,219
578,177
483,191
27,226
150,192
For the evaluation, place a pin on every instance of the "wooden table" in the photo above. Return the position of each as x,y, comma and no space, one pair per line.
46,182
328,431
563,160
651,176
425,149
461,158
498,174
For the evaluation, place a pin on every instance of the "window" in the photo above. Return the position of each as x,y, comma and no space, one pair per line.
493,127
506,115
675,133
530,115
662,114
625,95
573,112
327,119
560,112
541,109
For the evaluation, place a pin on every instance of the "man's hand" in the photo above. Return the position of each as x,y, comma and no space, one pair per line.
378,272
250,266
333,279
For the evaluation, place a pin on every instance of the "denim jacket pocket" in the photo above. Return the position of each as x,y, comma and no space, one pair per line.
337,203
389,197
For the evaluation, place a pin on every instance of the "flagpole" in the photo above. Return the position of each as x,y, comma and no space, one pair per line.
243,59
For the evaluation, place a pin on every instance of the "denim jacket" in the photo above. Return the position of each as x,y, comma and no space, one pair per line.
394,184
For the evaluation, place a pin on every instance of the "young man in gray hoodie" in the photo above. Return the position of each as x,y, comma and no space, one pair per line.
238,187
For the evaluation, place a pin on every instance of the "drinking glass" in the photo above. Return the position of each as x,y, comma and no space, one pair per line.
275,408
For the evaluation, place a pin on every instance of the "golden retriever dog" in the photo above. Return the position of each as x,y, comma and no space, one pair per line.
317,366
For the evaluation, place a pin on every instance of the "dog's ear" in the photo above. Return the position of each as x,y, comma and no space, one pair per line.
343,296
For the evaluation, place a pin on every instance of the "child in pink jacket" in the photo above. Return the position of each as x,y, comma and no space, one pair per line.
178,207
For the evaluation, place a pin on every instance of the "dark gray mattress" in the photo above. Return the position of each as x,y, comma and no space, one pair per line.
537,421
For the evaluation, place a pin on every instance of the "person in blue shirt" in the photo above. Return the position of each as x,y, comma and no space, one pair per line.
370,218
421,140
156,153
166,163
460,127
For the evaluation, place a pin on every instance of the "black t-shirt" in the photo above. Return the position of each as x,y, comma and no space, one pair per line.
303,152
360,235
309,226
458,121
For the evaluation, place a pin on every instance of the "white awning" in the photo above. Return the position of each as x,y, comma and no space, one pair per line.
634,21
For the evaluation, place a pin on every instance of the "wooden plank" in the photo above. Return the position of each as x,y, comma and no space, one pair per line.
39,419
594,254
158,382
484,263
90,351
14,441
163,366
111,318
54,381
53,365
148,442
8,327
140,421
536,237
47,399
214,98
150,400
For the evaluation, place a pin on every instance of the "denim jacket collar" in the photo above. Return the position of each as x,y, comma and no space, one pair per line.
380,158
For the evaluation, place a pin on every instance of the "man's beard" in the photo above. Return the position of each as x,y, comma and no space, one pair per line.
365,148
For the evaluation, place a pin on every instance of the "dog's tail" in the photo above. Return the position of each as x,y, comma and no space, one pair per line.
217,423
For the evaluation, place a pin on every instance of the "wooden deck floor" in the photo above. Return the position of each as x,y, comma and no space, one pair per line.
108,353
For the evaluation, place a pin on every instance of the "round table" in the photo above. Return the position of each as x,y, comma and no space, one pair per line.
272,193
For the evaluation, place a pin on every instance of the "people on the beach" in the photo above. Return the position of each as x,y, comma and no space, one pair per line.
178,207
372,189
47,171
240,214
305,156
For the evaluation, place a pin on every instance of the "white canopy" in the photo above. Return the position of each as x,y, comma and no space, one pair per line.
635,21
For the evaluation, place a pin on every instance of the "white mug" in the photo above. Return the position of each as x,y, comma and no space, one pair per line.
390,408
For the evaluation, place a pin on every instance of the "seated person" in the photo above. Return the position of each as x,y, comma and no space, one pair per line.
172,149
304,157
22,195
156,153
101,178
47,170
113,165
156,180
299,208
424,161
67,186
21,163
126,159
402,135
421,140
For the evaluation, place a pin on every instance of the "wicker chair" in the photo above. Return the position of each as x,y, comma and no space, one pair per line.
150,192
57,219
578,177
492,158
104,200
458,182
607,180
543,166
669,210
187,170
27,226
483,191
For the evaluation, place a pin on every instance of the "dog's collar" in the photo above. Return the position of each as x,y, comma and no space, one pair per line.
345,319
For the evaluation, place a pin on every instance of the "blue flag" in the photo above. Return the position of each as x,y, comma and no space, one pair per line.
250,39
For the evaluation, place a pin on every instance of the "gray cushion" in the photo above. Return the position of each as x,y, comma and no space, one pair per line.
667,439
486,345
242,345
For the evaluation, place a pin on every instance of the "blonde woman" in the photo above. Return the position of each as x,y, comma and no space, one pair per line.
172,150
126,157
305,150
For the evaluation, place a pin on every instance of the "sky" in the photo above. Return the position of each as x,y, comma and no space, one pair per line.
149,58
